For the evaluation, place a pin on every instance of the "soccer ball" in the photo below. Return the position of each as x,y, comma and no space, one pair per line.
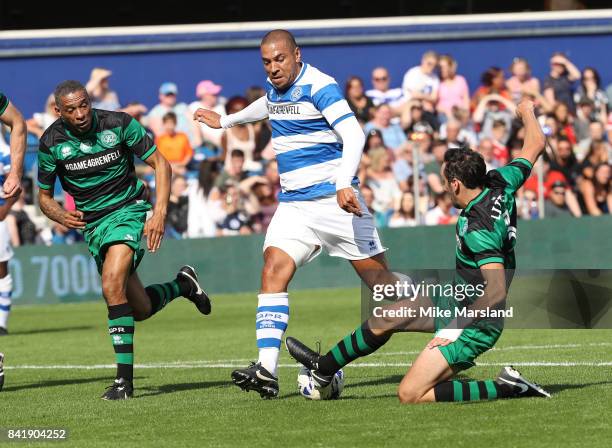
308,389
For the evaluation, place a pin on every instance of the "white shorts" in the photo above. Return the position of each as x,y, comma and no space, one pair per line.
303,228
6,251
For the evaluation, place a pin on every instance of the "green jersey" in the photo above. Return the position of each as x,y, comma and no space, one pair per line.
96,168
486,228
4,102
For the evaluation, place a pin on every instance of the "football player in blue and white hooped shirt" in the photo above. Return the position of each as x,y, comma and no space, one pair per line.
10,178
318,144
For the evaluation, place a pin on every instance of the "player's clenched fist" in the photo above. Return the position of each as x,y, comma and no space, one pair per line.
208,117
525,107
73,220
347,200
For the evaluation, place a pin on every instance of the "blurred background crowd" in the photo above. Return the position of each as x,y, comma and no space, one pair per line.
226,182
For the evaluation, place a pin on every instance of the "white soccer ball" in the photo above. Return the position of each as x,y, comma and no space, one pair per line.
308,389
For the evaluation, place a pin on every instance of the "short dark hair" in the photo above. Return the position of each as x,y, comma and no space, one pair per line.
66,88
280,35
170,116
237,153
465,165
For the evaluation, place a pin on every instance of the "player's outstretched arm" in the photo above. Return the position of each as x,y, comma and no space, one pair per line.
155,226
535,141
353,140
256,111
14,120
55,212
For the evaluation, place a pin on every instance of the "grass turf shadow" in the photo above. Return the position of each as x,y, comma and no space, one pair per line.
180,387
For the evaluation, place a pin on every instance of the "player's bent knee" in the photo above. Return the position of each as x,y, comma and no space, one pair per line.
408,395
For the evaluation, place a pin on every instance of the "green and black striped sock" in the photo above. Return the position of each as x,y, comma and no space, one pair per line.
162,294
121,330
360,342
471,390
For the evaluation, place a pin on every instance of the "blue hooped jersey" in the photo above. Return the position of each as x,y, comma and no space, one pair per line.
307,147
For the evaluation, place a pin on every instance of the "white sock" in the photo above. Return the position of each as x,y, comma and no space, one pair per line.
271,323
6,289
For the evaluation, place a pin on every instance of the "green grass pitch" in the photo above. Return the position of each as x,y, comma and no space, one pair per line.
58,357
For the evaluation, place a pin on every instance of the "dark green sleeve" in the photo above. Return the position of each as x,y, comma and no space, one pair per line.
4,102
46,168
514,174
136,138
486,246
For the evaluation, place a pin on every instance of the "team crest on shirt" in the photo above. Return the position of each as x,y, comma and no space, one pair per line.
296,94
86,146
66,151
108,139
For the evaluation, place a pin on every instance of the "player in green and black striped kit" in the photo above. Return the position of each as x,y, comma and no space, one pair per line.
486,234
92,152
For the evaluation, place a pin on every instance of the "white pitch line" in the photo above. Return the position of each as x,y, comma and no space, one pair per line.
204,365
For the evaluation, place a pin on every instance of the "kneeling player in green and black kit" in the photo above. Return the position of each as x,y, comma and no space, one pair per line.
486,235
92,152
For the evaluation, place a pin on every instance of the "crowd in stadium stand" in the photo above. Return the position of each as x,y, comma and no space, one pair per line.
226,181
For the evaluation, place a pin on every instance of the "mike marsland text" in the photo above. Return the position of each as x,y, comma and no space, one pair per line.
435,312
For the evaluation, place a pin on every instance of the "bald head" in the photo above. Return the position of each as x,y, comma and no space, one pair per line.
280,36
281,58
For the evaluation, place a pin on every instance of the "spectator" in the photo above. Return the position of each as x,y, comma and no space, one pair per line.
204,212
100,94
596,134
360,104
271,173
432,168
499,137
550,177
241,136
442,213
233,172
453,90
261,202
381,180
178,208
565,125
521,82
236,221
590,89
454,134
485,148
21,228
596,192
598,154
184,119
263,130
415,119
565,161
403,166
404,215
207,93
422,82
492,82
61,234
559,85
174,145
392,133
555,206
40,121
492,108
381,93
585,115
